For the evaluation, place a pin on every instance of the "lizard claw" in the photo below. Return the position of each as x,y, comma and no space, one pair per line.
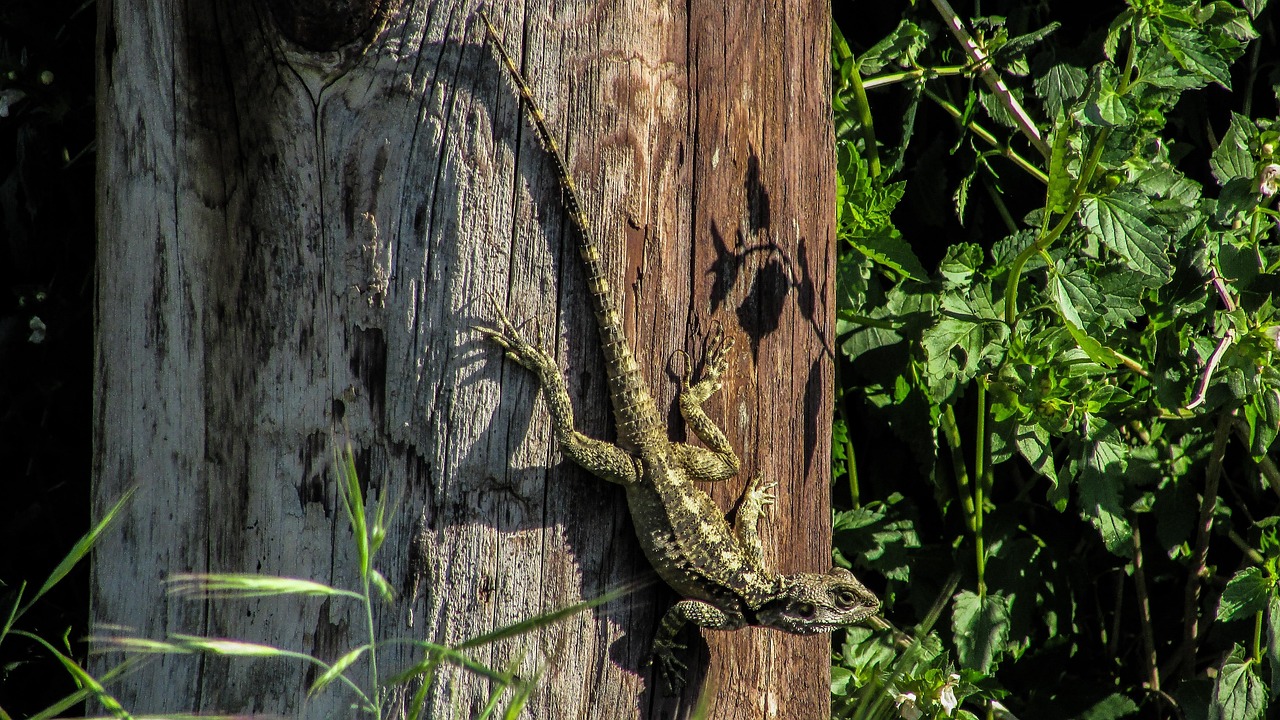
670,667
718,349
761,494
512,342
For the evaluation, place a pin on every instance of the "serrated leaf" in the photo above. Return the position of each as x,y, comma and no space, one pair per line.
901,46
1246,594
1059,86
1232,158
1071,320
1239,693
1033,445
890,250
1101,481
1059,177
1195,54
981,627
1126,226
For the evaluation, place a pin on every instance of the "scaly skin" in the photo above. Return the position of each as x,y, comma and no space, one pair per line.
685,536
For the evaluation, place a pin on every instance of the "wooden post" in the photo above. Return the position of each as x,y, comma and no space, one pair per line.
300,215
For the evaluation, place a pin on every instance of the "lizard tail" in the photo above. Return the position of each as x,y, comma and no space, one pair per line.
634,408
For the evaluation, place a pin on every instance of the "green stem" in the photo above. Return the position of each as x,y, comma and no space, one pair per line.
373,651
893,78
951,432
990,139
981,469
1255,652
850,461
865,123
1044,240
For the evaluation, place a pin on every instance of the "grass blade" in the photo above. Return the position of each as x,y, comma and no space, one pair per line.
240,586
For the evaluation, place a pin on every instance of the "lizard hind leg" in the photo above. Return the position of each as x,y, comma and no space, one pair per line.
602,459
719,462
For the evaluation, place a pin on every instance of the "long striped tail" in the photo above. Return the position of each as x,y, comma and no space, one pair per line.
635,412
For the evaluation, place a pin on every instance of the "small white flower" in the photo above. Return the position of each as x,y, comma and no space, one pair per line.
1269,180
947,695
906,704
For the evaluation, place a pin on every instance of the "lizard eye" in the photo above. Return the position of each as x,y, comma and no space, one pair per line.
846,598
805,610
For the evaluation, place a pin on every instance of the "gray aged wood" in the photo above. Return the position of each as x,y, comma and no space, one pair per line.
293,238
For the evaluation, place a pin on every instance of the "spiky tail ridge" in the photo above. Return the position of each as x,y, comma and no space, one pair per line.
635,412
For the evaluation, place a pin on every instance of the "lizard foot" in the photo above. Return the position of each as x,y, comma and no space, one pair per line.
760,494
718,349
513,343
670,667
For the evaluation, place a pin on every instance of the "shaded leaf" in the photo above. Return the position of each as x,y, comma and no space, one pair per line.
1102,473
981,627
1239,693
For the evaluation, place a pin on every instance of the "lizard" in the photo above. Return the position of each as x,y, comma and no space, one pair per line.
717,568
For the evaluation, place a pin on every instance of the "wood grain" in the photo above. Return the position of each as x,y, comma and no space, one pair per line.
292,240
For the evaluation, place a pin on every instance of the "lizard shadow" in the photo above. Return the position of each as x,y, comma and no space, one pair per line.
507,479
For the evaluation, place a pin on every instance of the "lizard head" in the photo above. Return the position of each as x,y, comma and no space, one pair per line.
811,603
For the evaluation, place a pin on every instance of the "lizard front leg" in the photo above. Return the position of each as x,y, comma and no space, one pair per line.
665,646
719,462
755,499
602,459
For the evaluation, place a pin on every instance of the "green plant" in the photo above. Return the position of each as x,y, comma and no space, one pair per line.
89,686
368,688
1090,382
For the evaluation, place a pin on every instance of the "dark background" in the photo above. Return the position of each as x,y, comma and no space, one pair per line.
46,276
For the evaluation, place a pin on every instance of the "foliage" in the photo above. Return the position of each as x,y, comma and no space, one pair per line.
1079,352
358,670
62,652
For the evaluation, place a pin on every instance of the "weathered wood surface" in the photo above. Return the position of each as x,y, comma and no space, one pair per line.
293,236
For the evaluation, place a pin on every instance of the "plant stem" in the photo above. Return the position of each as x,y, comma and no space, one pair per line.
951,432
862,107
982,473
1198,568
991,77
1144,614
986,135
893,78
1044,240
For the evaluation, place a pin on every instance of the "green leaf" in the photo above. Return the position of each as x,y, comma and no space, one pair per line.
981,627
1102,473
1238,694
1061,293
78,551
1125,224
890,250
900,47
1232,159
1246,594
1193,53
339,666
1033,445
1059,86
1110,707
